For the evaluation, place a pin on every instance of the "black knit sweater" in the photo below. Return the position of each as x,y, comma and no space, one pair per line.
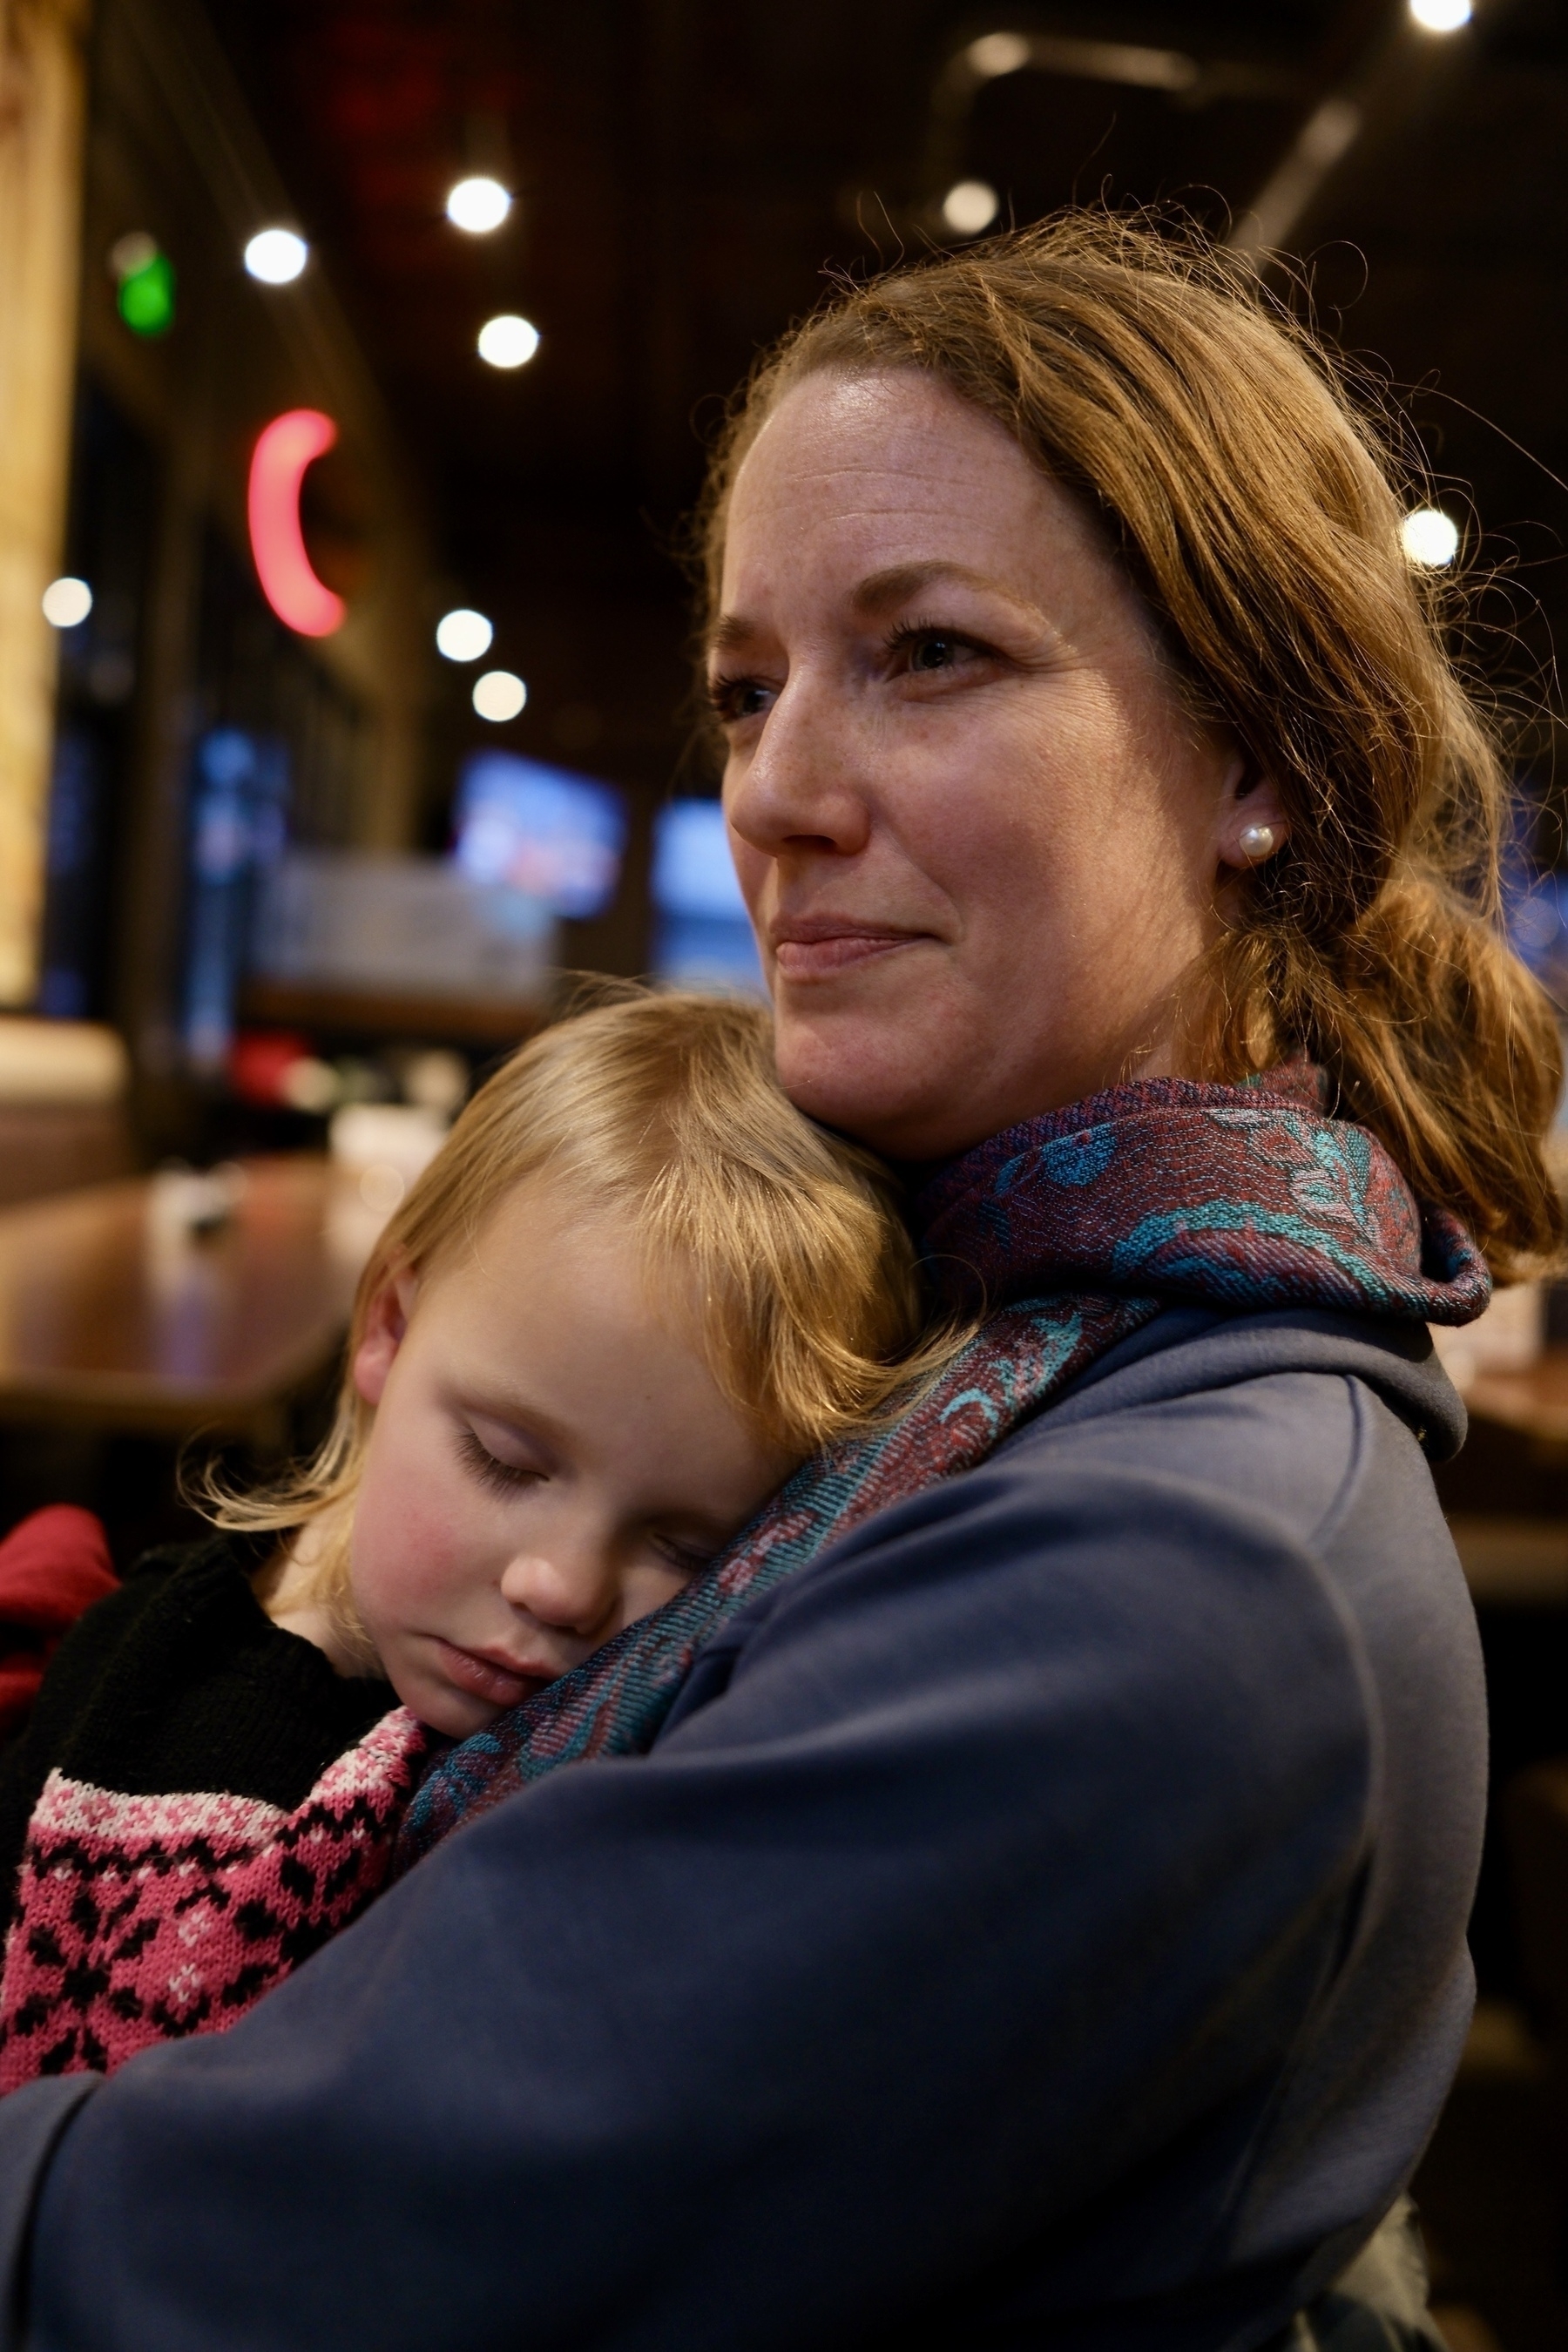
181,1681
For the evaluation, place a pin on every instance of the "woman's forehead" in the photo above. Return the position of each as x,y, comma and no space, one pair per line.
859,476
891,437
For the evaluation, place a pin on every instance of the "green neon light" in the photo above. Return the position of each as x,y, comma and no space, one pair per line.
146,299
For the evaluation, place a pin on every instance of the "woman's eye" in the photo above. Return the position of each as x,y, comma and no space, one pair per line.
933,653
922,652
734,698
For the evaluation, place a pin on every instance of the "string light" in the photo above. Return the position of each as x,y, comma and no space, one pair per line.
67,603
507,342
1429,538
971,206
275,256
477,205
463,635
499,695
994,53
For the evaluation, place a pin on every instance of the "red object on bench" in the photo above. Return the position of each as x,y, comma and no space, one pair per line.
53,1566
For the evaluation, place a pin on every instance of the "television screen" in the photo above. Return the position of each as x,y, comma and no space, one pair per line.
702,937
372,923
556,836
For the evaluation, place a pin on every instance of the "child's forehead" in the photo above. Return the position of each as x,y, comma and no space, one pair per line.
555,1225
559,1311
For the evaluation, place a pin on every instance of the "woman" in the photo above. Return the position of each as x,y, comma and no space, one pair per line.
1039,1914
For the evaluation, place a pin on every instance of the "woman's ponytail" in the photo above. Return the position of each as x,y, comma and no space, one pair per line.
1434,1036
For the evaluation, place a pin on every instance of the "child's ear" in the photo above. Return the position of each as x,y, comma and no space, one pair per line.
385,1327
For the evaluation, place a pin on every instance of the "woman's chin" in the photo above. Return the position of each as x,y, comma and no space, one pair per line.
890,1087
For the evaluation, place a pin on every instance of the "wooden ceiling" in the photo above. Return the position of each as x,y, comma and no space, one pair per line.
689,173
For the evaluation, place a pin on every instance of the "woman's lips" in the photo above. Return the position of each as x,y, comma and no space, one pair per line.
813,952
499,1685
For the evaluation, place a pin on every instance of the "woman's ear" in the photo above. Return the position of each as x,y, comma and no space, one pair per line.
383,1330
1253,826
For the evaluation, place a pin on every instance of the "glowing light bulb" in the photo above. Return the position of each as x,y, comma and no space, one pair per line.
146,296
994,53
499,695
971,206
478,206
1440,16
67,603
463,635
131,253
275,256
1429,538
507,342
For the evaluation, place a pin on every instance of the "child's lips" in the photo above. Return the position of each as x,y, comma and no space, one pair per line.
498,1682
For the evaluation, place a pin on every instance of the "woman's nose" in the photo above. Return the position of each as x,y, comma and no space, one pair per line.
797,785
571,1588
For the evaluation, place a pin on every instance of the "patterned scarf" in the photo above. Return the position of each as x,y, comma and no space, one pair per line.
1077,1229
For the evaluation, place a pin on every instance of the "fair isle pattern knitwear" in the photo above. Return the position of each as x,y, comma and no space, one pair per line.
143,1919
1078,1228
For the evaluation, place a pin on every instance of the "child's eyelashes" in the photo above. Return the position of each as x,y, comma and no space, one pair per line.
506,1478
502,1477
690,1560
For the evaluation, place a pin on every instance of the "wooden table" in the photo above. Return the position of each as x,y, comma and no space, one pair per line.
1508,1560
1534,1401
115,1315
478,1021
1513,1562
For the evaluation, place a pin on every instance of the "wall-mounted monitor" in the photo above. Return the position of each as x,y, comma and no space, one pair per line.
702,937
558,836
374,923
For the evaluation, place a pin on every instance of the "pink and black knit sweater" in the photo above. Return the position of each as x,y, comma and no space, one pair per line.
197,1803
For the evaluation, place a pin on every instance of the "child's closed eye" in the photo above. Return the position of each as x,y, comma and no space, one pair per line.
688,1558
502,1477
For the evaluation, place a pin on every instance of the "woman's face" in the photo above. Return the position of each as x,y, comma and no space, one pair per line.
980,836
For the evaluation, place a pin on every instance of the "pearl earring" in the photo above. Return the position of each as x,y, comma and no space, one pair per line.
1257,842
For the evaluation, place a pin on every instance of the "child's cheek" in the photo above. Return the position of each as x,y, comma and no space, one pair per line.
406,1544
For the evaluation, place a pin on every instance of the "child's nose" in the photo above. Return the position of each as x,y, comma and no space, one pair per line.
573,1589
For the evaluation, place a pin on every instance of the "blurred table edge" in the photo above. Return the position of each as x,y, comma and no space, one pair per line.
1534,1401
277,1244
1515,1563
482,1020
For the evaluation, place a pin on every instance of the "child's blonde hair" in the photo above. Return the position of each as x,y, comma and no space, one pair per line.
664,1108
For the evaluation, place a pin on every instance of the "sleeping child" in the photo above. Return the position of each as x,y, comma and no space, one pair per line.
635,1289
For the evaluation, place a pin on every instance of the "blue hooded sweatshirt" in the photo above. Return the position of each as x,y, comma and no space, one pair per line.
1041,1921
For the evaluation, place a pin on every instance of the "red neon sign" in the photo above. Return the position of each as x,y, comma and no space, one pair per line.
289,582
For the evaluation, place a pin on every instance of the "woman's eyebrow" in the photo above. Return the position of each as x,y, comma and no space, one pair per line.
729,631
882,592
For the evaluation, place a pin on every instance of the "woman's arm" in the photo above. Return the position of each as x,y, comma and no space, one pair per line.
1015,1854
